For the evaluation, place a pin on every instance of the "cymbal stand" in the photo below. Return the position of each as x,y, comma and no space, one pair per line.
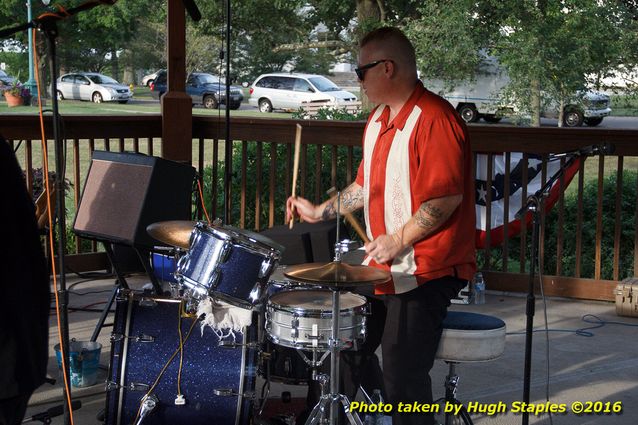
332,399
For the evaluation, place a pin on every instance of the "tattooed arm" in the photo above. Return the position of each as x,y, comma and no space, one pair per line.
351,200
428,218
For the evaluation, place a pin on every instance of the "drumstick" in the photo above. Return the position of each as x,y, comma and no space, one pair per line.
352,220
295,168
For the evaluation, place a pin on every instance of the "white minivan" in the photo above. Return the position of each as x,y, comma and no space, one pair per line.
291,91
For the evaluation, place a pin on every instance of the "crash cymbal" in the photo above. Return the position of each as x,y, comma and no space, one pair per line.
337,274
173,232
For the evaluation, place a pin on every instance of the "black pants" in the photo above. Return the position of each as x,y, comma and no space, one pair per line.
12,409
408,327
411,336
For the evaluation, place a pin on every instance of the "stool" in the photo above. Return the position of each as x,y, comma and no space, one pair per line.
468,338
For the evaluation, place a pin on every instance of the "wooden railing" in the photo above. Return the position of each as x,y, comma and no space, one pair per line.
329,157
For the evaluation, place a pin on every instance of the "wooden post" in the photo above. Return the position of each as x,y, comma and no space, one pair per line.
177,138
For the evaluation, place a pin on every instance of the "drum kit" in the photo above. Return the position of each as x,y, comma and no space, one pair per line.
164,371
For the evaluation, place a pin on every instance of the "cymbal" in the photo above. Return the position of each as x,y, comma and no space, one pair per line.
173,232
337,274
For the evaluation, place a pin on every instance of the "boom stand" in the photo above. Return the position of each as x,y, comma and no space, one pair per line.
533,204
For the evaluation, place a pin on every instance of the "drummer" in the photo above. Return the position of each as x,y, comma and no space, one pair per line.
417,190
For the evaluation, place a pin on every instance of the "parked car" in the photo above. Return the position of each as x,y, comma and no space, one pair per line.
204,89
92,86
291,91
5,80
147,80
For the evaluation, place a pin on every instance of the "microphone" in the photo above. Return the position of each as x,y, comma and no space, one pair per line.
591,150
192,10
52,412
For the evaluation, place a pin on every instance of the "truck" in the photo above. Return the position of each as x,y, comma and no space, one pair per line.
481,98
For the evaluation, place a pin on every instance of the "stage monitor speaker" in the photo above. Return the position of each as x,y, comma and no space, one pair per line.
125,192
323,236
298,247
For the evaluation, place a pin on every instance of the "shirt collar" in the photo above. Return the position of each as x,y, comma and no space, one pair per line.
402,117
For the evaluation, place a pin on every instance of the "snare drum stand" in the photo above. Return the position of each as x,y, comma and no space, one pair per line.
332,399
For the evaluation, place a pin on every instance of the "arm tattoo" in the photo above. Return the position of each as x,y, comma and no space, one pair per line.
329,212
428,216
351,199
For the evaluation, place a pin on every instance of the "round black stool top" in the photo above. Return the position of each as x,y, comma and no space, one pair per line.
461,320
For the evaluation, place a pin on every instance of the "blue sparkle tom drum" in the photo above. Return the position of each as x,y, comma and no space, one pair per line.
228,263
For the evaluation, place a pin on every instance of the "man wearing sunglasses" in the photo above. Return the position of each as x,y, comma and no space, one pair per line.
416,188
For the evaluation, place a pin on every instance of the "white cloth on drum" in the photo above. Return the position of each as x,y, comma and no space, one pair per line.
221,317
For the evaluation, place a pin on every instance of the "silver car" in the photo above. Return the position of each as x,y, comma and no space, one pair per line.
292,91
92,86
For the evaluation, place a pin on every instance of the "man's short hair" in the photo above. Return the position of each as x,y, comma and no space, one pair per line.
393,36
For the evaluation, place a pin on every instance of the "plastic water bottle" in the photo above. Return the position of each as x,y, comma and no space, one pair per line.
375,418
479,288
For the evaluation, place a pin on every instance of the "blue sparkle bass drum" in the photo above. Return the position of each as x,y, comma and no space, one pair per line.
210,380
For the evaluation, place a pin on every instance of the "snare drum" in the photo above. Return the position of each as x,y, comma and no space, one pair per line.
227,263
302,319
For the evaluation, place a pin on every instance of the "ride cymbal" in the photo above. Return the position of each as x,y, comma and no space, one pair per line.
176,233
337,274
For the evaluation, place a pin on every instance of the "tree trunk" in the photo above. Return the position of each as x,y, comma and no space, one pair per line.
115,65
536,103
369,15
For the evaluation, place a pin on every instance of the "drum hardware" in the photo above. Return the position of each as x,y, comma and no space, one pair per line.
206,365
149,403
138,338
147,302
131,386
233,344
229,392
336,276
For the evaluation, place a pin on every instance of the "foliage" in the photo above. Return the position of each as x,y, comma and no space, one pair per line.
38,183
550,48
447,40
281,191
15,62
331,113
588,233
627,229
16,88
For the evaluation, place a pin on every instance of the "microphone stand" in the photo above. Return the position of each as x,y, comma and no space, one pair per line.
533,205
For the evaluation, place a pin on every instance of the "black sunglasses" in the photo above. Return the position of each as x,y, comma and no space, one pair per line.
361,70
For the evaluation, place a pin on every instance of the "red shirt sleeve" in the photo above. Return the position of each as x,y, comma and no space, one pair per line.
439,170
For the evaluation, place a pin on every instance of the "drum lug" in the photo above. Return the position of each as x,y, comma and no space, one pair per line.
225,251
138,386
294,330
133,386
266,268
